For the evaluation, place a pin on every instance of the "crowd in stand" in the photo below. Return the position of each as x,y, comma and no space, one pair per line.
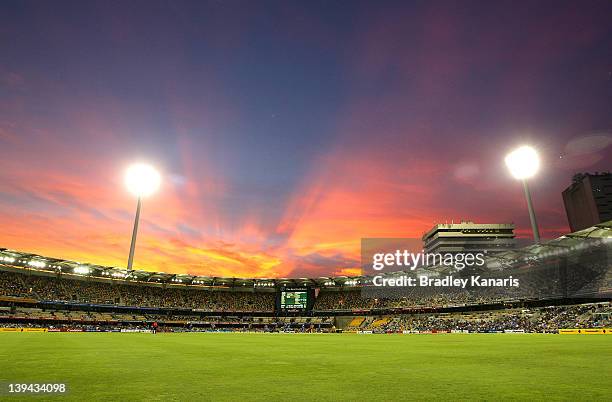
546,319
387,298
579,274
92,292
45,288
200,301
53,319
12,286
540,320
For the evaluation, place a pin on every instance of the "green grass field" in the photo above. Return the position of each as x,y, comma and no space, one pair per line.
112,366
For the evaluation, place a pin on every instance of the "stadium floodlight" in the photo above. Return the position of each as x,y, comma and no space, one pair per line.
37,264
523,164
82,270
142,180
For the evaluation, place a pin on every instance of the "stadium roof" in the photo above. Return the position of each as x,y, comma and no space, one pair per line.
564,244
571,242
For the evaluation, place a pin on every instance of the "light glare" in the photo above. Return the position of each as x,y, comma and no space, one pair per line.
142,180
523,162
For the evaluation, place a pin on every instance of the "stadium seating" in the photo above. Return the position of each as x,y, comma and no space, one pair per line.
542,319
51,289
32,298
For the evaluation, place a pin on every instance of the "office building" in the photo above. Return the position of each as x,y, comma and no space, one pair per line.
588,200
469,237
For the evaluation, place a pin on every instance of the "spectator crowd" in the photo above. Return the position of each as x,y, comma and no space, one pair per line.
57,289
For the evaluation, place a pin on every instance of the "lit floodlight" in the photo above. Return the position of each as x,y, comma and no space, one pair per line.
37,264
523,162
82,270
142,180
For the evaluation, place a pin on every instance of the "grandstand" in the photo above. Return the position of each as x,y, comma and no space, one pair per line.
572,274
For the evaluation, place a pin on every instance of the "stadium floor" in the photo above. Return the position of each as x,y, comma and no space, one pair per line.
114,366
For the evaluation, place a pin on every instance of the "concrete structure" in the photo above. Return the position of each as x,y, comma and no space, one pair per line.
469,237
588,200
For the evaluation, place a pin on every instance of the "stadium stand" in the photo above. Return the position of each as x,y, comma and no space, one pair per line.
543,319
53,289
566,283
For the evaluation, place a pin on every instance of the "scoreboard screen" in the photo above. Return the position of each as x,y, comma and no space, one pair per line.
294,299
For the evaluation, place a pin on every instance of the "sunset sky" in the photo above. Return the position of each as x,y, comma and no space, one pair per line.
286,131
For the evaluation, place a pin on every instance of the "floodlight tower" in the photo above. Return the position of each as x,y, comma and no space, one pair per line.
142,180
523,164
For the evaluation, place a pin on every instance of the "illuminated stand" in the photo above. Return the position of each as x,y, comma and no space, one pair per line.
142,180
523,164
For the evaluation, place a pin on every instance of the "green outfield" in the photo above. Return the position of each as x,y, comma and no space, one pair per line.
113,366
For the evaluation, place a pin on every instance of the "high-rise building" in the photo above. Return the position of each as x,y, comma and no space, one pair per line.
469,237
588,200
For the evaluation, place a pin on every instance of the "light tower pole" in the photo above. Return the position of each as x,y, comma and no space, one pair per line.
142,180
532,216
134,233
524,163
